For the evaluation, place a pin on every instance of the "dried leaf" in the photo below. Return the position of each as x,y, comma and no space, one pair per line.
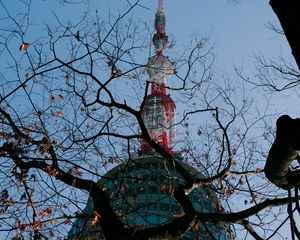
163,187
23,227
132,197
258,170
51,171
37,225
48,210
26,130
38,113
24,46
95,218
233,163
52,220
66,222
171,189
42,214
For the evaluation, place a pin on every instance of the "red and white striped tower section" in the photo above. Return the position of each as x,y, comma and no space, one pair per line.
159,110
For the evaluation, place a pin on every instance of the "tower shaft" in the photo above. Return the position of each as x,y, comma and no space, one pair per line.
159,110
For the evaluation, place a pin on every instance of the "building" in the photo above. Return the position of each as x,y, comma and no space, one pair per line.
141,189
141,194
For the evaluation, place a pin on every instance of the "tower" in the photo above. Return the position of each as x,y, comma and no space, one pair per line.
159,109
141,190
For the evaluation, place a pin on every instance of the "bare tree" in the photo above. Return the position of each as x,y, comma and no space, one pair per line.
66,120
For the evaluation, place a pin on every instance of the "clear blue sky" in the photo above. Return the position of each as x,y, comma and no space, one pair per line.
237,30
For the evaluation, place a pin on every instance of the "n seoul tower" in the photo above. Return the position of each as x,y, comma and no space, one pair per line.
159,110
141,189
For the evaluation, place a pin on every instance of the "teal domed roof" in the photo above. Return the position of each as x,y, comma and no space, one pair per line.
141,193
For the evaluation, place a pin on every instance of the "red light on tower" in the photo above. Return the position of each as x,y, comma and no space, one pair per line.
159,110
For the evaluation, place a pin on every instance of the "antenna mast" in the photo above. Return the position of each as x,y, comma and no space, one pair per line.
160,5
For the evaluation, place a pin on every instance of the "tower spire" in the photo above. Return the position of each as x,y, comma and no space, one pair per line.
160,5
160,39
159,110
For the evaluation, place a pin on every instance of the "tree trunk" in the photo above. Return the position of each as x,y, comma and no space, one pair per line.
284,150
288,13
